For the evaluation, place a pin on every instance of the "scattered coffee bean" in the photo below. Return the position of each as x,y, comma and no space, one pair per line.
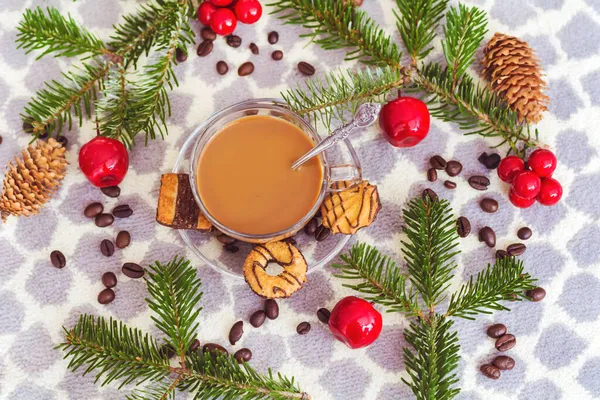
506,342
180,55
111,191
123,239
104,220
303,328
449,185
246,69
254,48
243,355
489,205
536,294
305,68
1,139
194,345
107,247
258,318
222,68
490,371
93,209
204,48
488,236
437,162
504,363
323,315
109,279
223,238
27,127
277,55
479,182
208,34
231,248
273,37
429,194
516,249
132,270
58,259
463,227
492,161
106,296
524,233
271,309
61,139
322,233
496,330
122,211
168,351
234,41
482,157
500,254
214,348
311,227
453,168
236,332
432,175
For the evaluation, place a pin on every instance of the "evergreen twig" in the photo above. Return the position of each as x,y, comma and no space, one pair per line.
113,108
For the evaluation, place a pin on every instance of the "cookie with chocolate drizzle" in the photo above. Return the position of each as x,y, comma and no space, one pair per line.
283,284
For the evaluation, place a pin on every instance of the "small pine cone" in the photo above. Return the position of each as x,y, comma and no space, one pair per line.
31,180
515,73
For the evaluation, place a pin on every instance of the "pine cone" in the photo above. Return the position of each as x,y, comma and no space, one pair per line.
515,73
30,182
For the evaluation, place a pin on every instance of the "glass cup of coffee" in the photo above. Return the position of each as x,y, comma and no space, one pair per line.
241,175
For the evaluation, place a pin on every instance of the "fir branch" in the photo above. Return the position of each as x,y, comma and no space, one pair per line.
504,280
430,249
464,30
113,108
162,390
434,358
380,278
338,24
58,34
417,23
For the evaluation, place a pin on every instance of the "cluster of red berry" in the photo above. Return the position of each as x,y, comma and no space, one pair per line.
223,15
532,182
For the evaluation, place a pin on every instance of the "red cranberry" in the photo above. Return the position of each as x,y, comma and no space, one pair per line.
542,162
550,192
221,3
518,201
248,11
526,184
509,167
205,12
223,21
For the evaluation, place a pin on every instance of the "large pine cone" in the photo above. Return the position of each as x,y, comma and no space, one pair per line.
515,73
30,182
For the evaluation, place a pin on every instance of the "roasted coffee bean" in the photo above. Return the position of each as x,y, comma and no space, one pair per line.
58,259
254,48
104,220
222,68
122,211
482,157
536,294
429,194
437,162
123,239
231,248
492,161
109,279
214,348
223,238
273,37
323,315
258,318
311,227
463,227
111,191
271,309
27,127
524,233
204,48
490,371
496,330
453,168
61,139
93,209
488,236
305,68
432,175
208,34
303,328
167,350
107,247
479,182
246,69
236,332
234,41
322,233
506,342
277,55
489,205
132,270
449,185
180,55
516,249
243,355
106,296
194,345
500,254
504,363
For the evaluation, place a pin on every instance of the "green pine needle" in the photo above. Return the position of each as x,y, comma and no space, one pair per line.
113,109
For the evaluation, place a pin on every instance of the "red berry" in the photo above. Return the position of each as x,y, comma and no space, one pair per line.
550,192
104,161
205,12
526,184
223,21
221,3
542,162
509,167
355,322
404,121
518,201
248,11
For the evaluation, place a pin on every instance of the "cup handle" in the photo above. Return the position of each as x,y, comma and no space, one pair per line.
343,176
